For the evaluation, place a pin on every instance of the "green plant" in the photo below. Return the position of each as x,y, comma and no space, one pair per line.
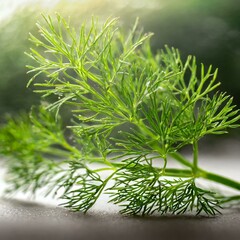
133,110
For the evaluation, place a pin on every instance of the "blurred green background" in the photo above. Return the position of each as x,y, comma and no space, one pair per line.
210,30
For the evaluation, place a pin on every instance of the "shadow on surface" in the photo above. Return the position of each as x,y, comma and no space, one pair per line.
27,220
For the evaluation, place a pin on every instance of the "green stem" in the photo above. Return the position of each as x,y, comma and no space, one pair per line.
230,199
219,179
105,169
164,165
175,172
101,190
206,175
195,157
177,156
144,129
68,147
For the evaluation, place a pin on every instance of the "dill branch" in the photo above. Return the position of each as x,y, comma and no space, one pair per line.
131,110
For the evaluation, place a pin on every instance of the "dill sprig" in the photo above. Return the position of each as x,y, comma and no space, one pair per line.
132,110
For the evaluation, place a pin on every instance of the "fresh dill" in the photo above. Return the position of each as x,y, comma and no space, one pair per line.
132,110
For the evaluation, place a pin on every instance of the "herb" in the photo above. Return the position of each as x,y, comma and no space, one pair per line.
132,111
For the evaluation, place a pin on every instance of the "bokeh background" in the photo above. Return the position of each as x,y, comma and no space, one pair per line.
210,30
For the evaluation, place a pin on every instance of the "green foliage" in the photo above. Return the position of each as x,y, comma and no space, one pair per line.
88,186
31,144
140,190
132,110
